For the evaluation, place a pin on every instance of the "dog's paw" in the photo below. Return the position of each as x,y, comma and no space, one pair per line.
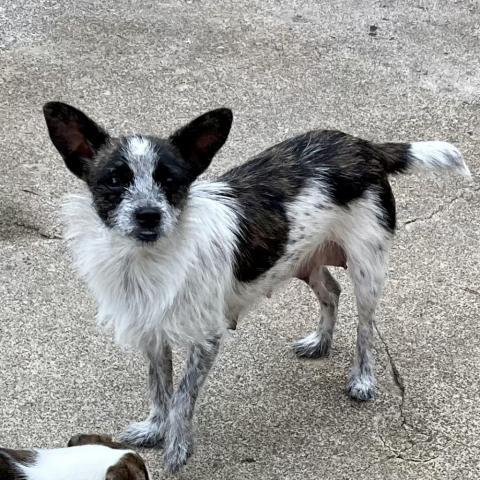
361,388
146,434
314,345
178,449
89,439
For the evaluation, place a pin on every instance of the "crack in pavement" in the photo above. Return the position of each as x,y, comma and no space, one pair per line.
415,460
36,230
438,210
26,190
400,384
395,456
397,377
461,195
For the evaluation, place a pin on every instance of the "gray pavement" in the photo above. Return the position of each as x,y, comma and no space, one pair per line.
283,67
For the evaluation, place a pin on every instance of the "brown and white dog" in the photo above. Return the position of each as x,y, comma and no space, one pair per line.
90,457
173,259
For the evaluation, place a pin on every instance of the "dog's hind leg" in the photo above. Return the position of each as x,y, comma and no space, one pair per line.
367,268
327,290
178,436
150,432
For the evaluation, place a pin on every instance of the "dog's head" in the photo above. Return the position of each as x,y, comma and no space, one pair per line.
130,466
139,183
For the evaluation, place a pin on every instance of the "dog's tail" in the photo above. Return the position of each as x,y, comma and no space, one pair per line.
405,157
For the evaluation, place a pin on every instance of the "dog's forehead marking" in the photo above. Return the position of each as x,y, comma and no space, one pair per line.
138,145
140,154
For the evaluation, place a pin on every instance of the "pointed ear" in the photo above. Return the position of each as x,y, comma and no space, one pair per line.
200,140
74,135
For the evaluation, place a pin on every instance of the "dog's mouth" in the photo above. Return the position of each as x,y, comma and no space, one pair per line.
147,236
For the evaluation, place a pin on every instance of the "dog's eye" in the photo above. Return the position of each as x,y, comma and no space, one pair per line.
163,176
117,178
113,182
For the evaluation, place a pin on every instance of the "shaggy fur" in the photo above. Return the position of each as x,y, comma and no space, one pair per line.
176,260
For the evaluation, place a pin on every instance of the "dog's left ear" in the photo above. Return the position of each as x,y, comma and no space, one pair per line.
200,140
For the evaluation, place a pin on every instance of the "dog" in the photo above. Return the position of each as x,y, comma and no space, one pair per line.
91,457
173,259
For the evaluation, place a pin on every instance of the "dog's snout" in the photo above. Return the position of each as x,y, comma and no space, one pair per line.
148,217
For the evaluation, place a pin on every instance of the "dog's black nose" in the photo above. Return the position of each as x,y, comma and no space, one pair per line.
148,217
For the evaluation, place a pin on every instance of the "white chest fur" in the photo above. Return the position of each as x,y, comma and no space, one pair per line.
176,288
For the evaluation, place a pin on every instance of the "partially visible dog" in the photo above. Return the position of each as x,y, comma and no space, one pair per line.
91,457
174,259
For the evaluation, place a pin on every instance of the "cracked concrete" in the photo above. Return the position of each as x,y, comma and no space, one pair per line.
284,67
36,230
397,377
467,194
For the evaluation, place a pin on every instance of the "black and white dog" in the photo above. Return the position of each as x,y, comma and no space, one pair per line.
172,259
90,457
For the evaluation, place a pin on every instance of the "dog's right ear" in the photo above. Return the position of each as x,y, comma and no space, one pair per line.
75,136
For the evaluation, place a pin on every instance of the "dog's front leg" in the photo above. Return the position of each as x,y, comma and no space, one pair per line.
179,436
150,433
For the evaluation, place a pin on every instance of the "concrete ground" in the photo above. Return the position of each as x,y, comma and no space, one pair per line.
385,70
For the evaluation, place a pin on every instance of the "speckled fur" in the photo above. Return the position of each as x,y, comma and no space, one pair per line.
319,199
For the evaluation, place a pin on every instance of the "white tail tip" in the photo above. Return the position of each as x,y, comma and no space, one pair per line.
438,155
